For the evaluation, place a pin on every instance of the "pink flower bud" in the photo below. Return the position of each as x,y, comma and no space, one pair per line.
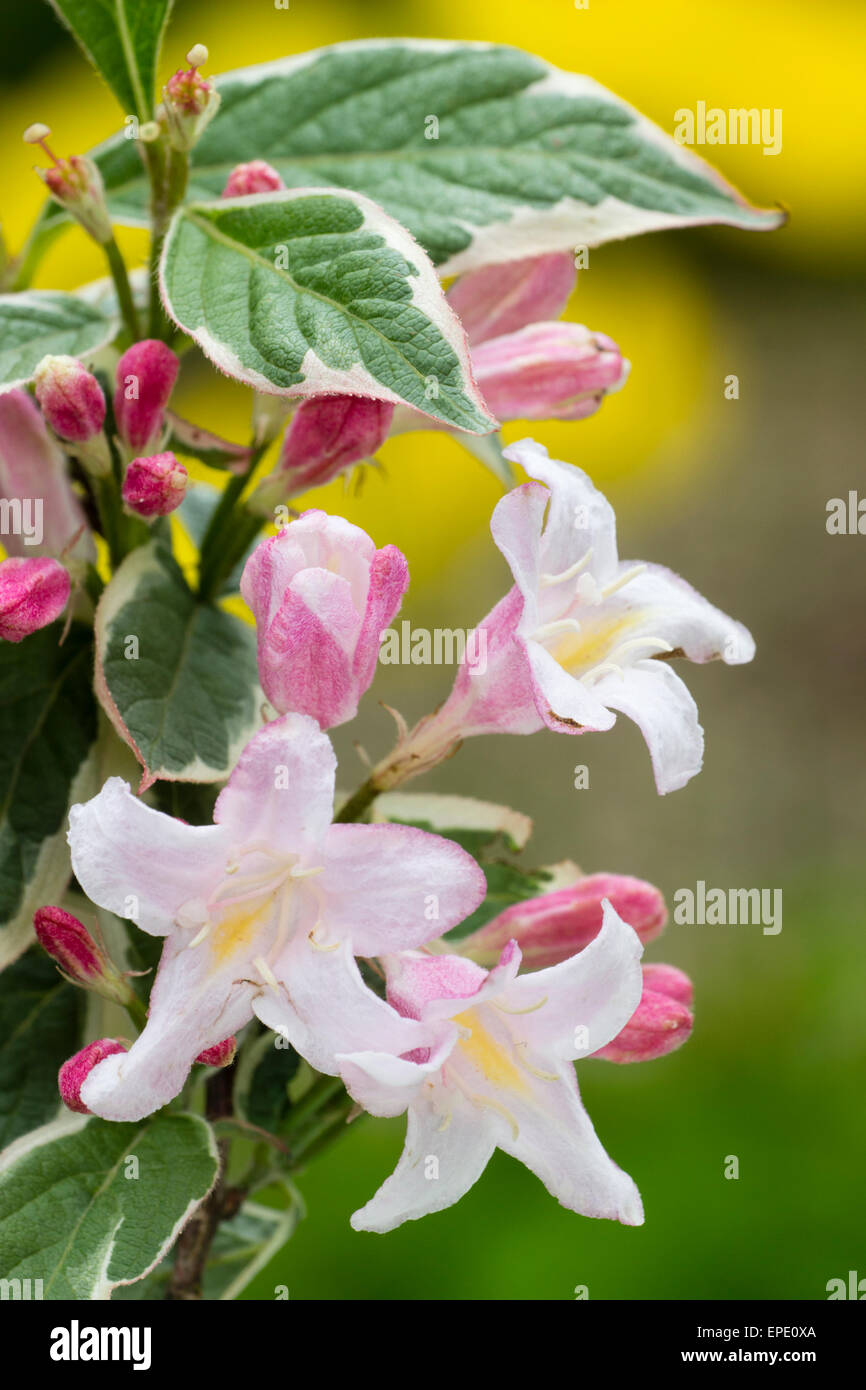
499,299
71,946
190,101
321,594
154,486
256,177
76,184
554,926
32,594
71,398
325,435
145,379
74,1073
548,369
220,1055
661,1022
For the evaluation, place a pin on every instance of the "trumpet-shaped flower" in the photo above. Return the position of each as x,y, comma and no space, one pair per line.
584,634
262,913
498,1074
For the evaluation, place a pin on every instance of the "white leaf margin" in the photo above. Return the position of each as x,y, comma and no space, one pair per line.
320,379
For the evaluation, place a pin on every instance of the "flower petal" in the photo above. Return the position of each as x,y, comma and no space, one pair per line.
556,1140
651,694
139,863
672,609
565,704
392,887
516,527
282,787
386,1085
502,298
324,1008
192,1007
586,1000
461,1148
580,516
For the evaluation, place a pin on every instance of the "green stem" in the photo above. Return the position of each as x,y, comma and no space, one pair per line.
168,170
230,530
110,517
359,803
121,284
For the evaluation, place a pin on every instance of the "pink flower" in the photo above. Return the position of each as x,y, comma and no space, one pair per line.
548,370
662,1021
550,928
145,379
33,593
155,486
255,177
263,913
502,298
74,1073
326,435
582,634
498,1073
33,476
322,595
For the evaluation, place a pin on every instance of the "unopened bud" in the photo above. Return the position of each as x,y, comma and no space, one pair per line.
144,379
255,177
190,101
74,1073
33,592
72,948
154,486
74,406
546,370
661,1022
220,1055
76,184
325,435
554,926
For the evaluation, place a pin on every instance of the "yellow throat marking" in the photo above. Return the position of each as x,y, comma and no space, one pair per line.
487,1055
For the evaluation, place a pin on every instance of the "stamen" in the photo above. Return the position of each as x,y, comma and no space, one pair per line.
622,581
523,1062
530,1009
547,580
560,625
200,936
266,973
306,873
599,670
484,1102
446,1120
311,937
658,642
588,590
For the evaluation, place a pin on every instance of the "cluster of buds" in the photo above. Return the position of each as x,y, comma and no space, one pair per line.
554,926
190,101
76,184
73,405
33,593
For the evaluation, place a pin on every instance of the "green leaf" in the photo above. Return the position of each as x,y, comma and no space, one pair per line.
41,1018
528,159
241,1248
177,678
264,1072
122,39
48,727
311,293
38,322
77,1213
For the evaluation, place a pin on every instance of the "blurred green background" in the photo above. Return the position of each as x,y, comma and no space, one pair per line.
733,495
